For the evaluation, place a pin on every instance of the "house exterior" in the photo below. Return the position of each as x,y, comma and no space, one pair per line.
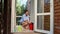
7,17
56,16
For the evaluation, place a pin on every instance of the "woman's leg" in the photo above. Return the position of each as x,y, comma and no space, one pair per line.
27,27
24,24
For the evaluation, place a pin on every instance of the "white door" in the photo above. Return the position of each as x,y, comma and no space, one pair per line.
43,16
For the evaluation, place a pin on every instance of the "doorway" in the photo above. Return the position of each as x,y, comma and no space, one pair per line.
41,14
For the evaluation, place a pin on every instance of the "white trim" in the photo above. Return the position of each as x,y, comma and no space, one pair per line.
12,15
35,7
52,17
43,14
42,31
18,16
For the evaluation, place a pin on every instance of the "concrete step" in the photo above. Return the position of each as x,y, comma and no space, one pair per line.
25,33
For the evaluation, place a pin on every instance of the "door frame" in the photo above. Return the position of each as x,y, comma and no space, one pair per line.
35,7
13,23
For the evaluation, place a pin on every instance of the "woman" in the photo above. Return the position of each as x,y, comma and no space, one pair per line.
25,20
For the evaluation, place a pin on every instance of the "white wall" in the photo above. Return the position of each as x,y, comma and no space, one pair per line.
32,14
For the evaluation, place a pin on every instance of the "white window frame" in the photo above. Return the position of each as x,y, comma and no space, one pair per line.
51,18
13,15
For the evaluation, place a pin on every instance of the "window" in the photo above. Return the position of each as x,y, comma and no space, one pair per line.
20,7
44,16
47,1
40,13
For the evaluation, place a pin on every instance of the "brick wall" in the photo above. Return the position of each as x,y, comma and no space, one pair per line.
57,16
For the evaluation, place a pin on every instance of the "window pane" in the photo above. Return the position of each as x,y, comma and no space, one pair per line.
39,6
43,6
43,22
18,20
46,5
21,5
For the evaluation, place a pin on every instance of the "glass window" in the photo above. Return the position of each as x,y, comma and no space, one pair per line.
43,22
21,6
18,20
46,1
43,7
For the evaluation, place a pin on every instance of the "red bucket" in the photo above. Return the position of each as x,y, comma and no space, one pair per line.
31,26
